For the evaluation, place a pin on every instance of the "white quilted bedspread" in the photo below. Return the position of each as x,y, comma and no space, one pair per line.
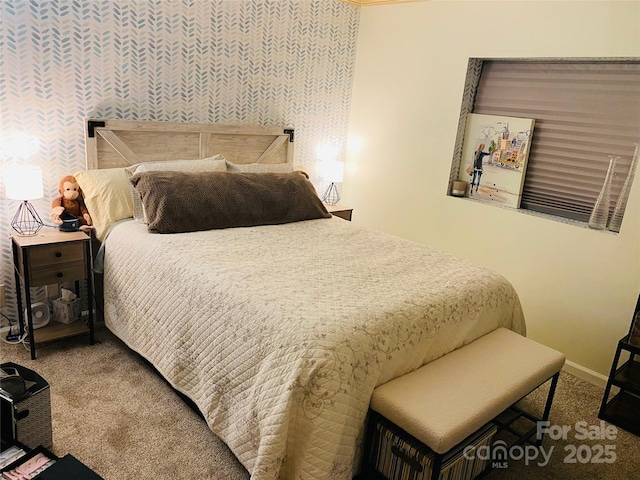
280,333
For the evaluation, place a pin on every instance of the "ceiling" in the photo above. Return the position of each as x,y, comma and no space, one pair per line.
365,3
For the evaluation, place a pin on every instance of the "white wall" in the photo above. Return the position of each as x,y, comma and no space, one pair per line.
578,287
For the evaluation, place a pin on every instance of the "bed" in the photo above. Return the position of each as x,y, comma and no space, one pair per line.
278,332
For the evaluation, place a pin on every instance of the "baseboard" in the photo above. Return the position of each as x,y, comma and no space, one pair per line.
585,374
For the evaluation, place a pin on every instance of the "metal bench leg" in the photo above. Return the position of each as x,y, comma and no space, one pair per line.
552,392
437,463
547,408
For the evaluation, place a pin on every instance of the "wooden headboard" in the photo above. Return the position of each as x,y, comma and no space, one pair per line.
120,143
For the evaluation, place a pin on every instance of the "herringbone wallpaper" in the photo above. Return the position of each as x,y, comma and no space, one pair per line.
263,62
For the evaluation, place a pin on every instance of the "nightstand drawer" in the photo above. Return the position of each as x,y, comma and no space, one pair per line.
50,274
56,253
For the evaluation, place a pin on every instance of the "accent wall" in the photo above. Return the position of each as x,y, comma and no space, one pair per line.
260,62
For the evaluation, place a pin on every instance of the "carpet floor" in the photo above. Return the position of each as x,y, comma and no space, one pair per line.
115,414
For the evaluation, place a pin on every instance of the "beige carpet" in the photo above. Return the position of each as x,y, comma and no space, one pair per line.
113,412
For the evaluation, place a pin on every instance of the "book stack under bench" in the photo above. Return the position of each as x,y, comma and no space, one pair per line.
428,424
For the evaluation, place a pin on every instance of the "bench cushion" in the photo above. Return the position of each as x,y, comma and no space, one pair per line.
448,399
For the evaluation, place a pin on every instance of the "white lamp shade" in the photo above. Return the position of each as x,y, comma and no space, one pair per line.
332,171
23,182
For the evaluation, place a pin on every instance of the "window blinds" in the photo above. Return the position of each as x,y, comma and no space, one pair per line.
583,111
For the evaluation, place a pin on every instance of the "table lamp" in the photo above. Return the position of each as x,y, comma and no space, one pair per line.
24,182
332,171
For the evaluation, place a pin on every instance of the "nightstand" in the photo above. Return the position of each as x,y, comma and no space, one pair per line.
340,211
49,258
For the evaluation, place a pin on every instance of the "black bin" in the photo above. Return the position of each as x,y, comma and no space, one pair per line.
26,419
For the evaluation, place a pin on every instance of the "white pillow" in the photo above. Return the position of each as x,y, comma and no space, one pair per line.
259,167
216,163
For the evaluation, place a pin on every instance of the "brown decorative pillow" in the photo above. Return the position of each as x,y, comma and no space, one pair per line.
215,163
177,202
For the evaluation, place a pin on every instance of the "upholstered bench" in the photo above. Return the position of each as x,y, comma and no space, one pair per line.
450,404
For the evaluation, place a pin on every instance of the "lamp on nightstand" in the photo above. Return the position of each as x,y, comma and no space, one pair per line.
24,182
332,171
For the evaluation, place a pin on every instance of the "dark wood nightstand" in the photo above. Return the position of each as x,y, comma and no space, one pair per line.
340,211
51,257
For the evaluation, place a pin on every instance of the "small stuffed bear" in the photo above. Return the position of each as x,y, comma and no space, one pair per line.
70,201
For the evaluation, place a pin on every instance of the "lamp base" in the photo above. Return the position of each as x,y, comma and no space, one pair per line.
26,222
331,195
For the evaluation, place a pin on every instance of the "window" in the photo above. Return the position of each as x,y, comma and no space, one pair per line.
584,111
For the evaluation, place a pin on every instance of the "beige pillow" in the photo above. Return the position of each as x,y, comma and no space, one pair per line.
106,194
260,167
211,164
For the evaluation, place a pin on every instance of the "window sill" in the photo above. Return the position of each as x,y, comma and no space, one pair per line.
547,216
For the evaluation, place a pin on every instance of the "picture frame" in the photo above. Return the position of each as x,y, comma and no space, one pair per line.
634,330
495,151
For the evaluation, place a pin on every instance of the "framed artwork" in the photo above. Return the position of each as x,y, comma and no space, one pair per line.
494,157
634,331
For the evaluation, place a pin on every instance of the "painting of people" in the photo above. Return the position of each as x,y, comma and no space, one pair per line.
494,157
